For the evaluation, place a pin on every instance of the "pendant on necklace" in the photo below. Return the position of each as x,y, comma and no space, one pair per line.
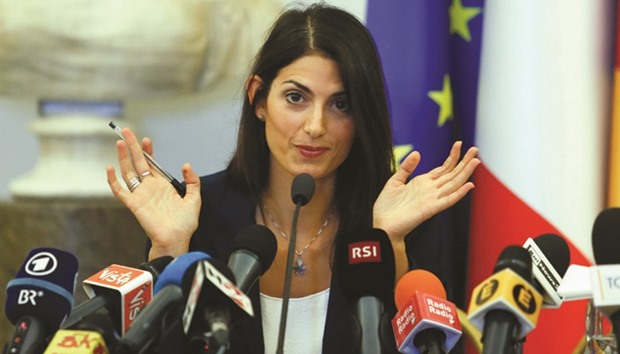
300,267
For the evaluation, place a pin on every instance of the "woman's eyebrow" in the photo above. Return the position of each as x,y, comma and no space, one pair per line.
308,90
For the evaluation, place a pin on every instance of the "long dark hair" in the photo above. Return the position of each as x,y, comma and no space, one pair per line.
333,33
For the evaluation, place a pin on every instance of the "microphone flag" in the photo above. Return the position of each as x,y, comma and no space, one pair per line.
506,290
134,286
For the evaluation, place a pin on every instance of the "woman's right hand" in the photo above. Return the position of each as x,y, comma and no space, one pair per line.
168,219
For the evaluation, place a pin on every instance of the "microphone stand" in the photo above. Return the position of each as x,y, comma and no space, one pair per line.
301,193
287,279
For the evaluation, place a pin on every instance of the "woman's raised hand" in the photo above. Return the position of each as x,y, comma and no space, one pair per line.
168,219
402,205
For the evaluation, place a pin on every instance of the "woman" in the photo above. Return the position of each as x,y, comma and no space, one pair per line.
315,103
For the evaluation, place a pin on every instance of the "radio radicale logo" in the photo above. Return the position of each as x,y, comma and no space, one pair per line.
41,264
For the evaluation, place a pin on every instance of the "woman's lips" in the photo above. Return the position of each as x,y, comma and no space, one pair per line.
310,151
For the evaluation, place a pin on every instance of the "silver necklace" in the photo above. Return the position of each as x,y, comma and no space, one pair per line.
299,268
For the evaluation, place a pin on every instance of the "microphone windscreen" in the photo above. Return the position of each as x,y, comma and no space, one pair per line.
43,287
555,248
419,280
302,189
156,266
605,241
260,241
517,259
175,271
365,265
210,291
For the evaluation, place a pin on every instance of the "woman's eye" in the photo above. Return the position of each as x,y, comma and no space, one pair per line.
294,97
341,105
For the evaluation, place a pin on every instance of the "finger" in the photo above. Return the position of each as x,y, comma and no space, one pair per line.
453,198
192,181
450,161
117,189
469,156
124,161
409,164
454,181
147,146
135,151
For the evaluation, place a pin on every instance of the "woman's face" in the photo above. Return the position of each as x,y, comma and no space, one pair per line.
307,121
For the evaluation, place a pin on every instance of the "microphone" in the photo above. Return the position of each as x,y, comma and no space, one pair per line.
505,307
253,252
162,316
550,259
72,341
365,273
156,266
605,276
302,190
210,329
426,323
120,291
39,297
605,237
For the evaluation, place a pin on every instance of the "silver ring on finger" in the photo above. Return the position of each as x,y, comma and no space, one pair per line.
133,183
145,173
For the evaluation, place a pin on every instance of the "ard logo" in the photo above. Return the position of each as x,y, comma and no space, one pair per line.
41,264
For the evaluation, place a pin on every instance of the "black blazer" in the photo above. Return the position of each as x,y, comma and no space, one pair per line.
225,212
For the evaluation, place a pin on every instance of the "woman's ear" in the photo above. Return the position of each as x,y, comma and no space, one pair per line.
252,85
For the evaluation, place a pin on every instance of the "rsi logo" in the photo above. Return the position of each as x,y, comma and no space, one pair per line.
365,252
28,296
42,263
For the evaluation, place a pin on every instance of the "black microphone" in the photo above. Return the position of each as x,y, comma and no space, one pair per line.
550,260
219,301
121,291
253,252
39,298
156,266
365,271
605,276
302,191
605,243
506,305
161,319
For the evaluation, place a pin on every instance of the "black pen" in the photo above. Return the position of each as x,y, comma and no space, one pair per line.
176,184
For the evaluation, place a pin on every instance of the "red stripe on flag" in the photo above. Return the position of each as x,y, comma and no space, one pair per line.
499,219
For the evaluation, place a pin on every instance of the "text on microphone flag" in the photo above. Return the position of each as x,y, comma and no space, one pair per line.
364,252
134,286
76,342
228,288
605,285
424,311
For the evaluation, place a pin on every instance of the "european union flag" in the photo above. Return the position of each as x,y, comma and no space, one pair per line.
430,52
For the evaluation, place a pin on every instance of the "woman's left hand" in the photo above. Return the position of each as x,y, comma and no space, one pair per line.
403,205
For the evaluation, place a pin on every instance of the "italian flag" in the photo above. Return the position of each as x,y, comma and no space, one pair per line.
543,109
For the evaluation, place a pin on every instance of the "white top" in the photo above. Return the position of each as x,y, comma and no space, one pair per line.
305,323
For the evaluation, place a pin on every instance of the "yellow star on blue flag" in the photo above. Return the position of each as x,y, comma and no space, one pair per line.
460,17
443,98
